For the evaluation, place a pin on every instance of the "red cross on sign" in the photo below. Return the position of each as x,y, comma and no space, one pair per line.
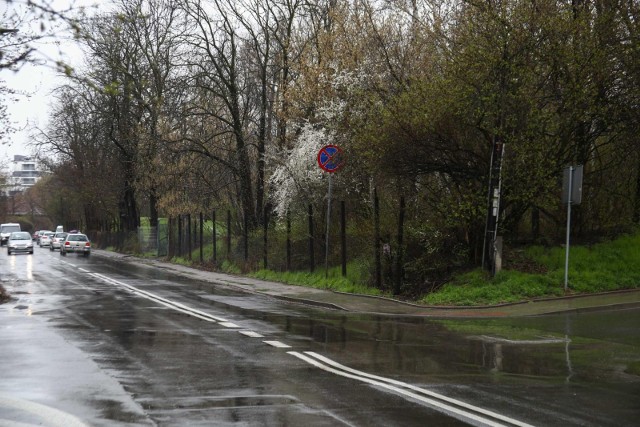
330,158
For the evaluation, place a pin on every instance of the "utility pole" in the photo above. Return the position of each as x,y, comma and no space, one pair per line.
493,207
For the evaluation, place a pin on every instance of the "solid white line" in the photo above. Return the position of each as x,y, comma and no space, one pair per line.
277,344
418,389
166,302
251,334
460,413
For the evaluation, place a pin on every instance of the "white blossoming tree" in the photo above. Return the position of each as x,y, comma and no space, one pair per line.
298,174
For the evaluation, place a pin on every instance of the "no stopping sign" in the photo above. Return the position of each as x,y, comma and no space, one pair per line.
330,158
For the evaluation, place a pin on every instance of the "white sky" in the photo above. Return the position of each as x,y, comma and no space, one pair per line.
37,82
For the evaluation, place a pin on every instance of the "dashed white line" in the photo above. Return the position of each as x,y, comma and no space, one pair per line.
229,325
251,334
277,344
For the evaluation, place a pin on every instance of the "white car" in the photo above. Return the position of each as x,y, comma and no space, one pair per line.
45,239
56,241
19,241
42,233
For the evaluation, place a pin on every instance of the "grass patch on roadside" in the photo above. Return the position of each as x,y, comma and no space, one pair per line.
633,368
333,280
598,268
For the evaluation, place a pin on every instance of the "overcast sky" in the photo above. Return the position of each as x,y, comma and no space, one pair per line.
36,83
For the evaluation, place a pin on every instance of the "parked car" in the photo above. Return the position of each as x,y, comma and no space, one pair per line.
19,241
76,243
56,241
45,238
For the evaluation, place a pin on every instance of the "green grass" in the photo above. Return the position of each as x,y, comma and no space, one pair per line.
633,368
333,280
602,267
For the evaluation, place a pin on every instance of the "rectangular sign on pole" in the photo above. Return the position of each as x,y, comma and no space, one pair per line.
576,185
571,195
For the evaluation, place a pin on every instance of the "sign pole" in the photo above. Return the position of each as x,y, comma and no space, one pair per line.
326,250
329,160
566,257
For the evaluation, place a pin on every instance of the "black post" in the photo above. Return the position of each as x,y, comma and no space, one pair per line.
201,238
194,241
288,241
343,238
246,238
265,220
376,245
169,238
400,251
215,246
189,236
312,261
228,234
179,235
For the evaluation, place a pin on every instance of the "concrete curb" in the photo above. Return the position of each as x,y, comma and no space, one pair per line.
388,306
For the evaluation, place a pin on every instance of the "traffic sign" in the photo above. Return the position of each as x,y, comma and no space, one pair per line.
330,158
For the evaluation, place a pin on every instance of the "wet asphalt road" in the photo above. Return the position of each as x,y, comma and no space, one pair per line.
101,342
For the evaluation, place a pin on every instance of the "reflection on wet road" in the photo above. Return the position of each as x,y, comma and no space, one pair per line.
193,353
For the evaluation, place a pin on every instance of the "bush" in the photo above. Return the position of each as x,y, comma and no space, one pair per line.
4,296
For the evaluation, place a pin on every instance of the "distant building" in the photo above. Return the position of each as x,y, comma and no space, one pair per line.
24,173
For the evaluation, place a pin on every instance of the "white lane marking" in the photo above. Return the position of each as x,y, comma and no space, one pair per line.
340,369
418,389
83,270
51,416
390,384
251,334
166,302
277,344
229,325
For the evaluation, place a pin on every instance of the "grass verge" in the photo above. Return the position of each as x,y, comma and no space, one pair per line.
601,267
332,280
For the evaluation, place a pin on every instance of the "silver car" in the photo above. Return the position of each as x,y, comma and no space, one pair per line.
76,243
19,241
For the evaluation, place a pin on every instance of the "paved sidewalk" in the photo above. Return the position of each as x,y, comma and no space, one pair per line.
387,306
